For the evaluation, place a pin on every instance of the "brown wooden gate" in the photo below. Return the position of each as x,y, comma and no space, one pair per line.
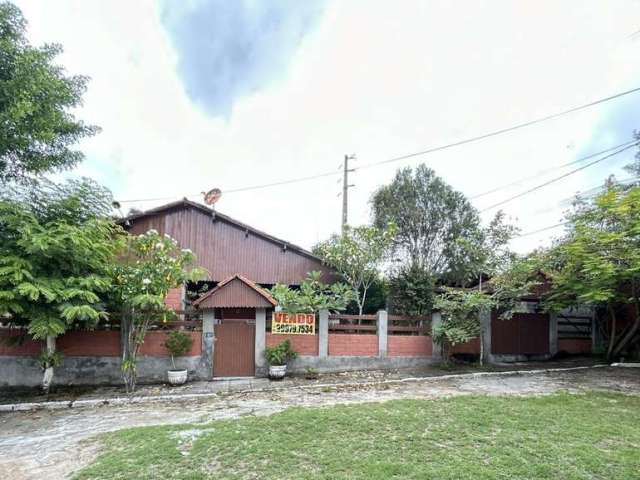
234,350
524,334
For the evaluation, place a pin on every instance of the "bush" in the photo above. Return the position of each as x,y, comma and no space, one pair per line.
178,344
280,354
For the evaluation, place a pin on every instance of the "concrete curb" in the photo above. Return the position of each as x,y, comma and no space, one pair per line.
117,401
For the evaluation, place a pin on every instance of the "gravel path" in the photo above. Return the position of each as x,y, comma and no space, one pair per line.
54,444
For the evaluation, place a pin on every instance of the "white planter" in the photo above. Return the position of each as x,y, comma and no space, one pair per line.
277,372
177,377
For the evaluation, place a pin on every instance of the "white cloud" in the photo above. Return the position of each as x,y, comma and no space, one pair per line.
377,79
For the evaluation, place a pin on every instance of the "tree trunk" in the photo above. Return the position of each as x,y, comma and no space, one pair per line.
481,347
47,378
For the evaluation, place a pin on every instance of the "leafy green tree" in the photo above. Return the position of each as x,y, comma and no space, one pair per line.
598,262
461,308
412,291
55,258
431,219
460,311
36,97
149,267
312,296
357,255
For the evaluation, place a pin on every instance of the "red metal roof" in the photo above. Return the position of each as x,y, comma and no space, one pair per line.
236,292
224,246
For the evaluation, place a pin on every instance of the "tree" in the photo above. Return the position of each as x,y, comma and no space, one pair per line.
312,296
461,308
55,257
598,262
357,255
460,311
36,97
150,266
412,291
431,220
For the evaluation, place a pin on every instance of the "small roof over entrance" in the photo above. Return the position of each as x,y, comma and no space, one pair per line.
236,292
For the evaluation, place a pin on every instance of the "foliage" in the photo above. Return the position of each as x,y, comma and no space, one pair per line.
280,354
460,311
598,262
312,296
431,219
36,97
177,344
412,291
150,266
586,436
357,255
55,263
376,299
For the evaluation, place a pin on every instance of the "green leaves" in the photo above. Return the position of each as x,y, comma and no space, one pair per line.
357,255
313,296
36,98
460,310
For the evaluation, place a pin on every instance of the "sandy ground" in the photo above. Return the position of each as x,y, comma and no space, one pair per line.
54,444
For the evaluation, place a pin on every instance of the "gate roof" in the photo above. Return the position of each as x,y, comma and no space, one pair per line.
236,292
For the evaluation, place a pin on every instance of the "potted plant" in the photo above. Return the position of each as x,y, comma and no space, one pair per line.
177,344
277,358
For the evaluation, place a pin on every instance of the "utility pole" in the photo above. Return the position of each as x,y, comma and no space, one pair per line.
345,188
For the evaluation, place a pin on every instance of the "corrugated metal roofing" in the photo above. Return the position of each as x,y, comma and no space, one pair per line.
224,246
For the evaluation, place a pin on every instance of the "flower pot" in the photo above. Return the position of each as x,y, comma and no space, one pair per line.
277,372
177,377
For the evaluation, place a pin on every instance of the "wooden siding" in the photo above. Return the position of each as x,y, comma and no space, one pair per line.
226,249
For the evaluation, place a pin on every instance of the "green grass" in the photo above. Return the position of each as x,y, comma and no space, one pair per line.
560,437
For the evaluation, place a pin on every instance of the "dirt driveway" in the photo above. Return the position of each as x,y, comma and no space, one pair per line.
54,444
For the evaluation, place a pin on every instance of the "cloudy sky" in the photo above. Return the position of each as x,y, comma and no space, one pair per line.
198,94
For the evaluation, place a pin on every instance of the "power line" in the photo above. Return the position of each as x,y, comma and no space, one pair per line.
553,180
243,189
552,169
503,130
423,152
544,229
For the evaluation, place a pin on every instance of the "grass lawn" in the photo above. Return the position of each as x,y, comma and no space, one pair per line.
593,436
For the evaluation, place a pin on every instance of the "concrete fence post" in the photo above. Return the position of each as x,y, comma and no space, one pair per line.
323,334
436,347
261,341
208,343
383,328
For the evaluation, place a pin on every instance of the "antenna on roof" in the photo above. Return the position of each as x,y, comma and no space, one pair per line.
212,196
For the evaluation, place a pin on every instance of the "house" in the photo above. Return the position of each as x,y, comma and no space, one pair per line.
242,263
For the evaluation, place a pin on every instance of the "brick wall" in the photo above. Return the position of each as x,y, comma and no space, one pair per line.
574,345
96,344
28,348
409,346
90,344
174,299
153,345
303,344
353,345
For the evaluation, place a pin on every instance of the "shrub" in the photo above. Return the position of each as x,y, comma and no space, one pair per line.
280,354
178,344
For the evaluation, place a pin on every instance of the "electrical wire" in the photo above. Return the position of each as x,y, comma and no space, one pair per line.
544,172
556,179
415,154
